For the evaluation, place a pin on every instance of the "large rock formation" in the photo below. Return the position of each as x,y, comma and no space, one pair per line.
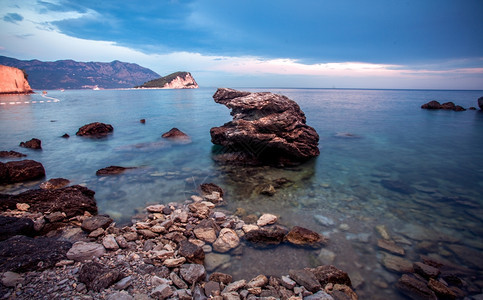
13,81
178,80
19,171
480,103
433,104
266,129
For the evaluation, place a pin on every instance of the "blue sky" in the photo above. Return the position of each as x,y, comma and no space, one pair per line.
319,43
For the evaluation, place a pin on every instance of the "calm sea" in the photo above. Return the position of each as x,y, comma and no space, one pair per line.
383,162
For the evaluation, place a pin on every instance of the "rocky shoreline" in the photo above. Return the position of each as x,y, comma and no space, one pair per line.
166,254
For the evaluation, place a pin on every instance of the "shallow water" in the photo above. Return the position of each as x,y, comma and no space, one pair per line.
417,172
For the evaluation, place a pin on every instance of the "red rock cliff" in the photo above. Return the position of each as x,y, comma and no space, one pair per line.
13,81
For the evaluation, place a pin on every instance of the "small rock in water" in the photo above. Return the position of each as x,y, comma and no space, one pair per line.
397,264
227,239
381,229
323,220
326,256
390,246
266,219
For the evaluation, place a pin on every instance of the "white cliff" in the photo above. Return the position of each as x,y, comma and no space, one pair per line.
13,81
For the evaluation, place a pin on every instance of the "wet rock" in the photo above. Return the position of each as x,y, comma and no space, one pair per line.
480,103
200,209
304,237
142,121
109,242
306,279
227,240
209,188
414,288
73,200
82,251
268,190
267,219
191,252
19,171
397,264
272,235
11,226
176,134
32,144
54,183
431,105
397,186
111,170
266,129
425,270
323,220
221,278
382,230
235,286
330,274
97,277
21,253
441,290
11,154
211,288
95,129
206,230
96,222
192,273
390,246
259,281
446,106
65,136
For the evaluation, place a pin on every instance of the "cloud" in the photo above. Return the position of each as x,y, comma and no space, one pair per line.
12,18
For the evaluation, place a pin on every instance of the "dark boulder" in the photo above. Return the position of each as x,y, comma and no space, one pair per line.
22,254
432,105
193,253
72,200
111,170
19,171
95,129
95,222
300,236
11,226
448,106
414,288
272,235
32,144
306,279
97,277
175,134
209,188
330,274
480,103
65,136
266,129
11,154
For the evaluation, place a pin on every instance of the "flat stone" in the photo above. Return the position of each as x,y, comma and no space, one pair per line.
301,236
381,229
267,219
414,288
97,277
162,291
441,290
306,279
425,270
191,252
288,282
109,242
259,281
272,235
158,208
330,274
227,240
11,279
230,296
235,286
192,273
206,231
96,233
390,246
326,256
397,264
82,251
111,170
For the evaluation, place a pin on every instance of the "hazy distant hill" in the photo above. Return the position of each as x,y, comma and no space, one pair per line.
69,74
177,80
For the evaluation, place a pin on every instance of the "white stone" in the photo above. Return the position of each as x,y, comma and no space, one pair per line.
155,208
266,219
227,240
249,227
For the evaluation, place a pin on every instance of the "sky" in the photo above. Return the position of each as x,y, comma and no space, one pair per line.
408,44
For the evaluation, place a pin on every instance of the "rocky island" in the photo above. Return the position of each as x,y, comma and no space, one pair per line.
178,80
13,81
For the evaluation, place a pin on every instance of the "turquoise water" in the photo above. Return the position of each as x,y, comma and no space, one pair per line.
417,172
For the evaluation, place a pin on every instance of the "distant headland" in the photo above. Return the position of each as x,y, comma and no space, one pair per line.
13,81
177,80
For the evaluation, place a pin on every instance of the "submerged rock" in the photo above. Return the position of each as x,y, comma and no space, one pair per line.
19,171
11,154
176,134
32,144
95,129
304,237
266,129
480,103
272,235
414,288
111,170
54,183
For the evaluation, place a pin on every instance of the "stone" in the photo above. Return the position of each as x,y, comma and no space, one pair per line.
268,190
142,121
97,277
266,129
272,235
320,295
323,220
397,264
176,134
174,262
11,226
20,171
211,288
109,242
111,170
157,208
72,200
120,296
425,270
259,281
441,290
95,129
123,283
54,183
249,227
341,291
11,154
330,274
147,233
227,240
305,237
231,296
206,230
200,209
32,144
267,219
82,251
65,136
162,291
306,279
446,106
390,246
326,256
177,281
431,105
22,254
288,282
221,278
191,252
96,222
11,279
192,273
382,230
55,217
468,255
209,188
22,206
480,103
414,288
235,286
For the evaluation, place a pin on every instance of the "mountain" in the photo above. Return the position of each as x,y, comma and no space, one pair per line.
13,81
178,80
70,74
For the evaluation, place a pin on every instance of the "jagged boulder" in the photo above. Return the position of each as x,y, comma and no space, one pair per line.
95,129
19,171
266,129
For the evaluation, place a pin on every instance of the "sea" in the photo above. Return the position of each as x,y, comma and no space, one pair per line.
387,168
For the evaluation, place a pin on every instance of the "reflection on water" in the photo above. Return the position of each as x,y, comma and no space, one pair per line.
386,168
